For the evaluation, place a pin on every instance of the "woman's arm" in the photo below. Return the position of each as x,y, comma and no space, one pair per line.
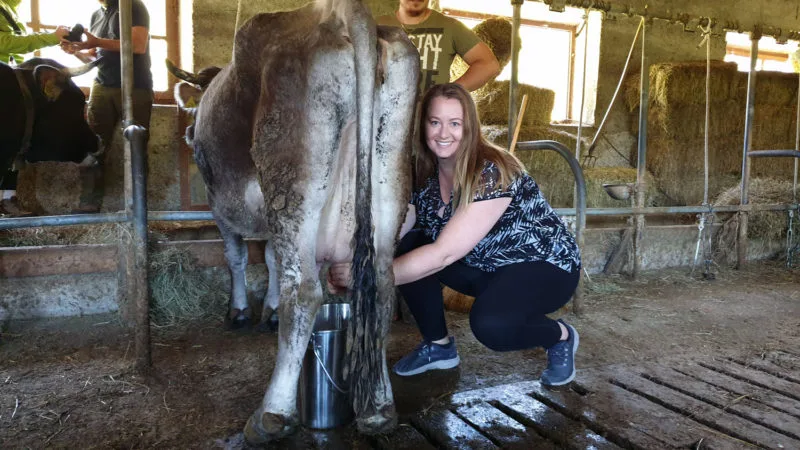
13,44
139,37
461,234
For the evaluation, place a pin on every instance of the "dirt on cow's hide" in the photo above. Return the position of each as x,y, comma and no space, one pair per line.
68,383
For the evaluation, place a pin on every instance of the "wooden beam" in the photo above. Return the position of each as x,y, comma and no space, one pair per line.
16,262
57,260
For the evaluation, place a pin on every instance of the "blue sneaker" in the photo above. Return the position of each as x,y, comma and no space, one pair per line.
428,356
561,360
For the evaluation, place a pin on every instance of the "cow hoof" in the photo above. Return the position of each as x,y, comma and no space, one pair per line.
268,325
268,427
238,319
380,423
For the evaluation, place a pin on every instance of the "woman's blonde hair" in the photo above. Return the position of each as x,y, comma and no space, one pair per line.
471,154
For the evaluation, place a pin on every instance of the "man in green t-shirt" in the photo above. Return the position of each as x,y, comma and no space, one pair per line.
438,39
14,41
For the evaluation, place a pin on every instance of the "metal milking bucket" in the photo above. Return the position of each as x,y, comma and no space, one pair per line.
323,395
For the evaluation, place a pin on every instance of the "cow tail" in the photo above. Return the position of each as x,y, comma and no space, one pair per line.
364,367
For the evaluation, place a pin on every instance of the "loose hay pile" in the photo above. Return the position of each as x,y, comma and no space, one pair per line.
179,291
768,225
676,122
69,235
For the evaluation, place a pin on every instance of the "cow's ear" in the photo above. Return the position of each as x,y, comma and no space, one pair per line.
50,81
187,96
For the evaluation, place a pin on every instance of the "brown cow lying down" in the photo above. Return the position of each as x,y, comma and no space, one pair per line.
304,140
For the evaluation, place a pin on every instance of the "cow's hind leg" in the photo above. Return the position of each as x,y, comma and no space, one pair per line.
239,313
301,296
269,313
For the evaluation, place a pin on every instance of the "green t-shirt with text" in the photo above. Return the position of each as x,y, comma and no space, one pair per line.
438,39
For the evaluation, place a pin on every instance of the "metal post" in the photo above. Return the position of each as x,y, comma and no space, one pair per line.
585,30
641,165
741,246
135,306
580,205
514,83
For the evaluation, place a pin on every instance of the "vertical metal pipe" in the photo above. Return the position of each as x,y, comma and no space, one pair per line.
741,247
580,205
583,87
126,54
137,287
796,142
583,99
641,165
514,83
133,245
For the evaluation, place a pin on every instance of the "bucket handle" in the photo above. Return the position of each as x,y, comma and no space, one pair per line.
328,375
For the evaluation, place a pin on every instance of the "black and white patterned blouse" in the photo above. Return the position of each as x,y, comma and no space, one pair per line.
529,230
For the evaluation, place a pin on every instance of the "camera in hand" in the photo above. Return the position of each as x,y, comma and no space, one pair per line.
75,33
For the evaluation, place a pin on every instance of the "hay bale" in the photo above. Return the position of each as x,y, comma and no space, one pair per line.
687,121
49,187
769,225
456,301
684,83
492,103
496,33
548,168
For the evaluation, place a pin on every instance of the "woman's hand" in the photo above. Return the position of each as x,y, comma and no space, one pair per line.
61,32
339,278
72,47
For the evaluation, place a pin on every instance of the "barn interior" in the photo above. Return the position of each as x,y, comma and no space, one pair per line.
690,326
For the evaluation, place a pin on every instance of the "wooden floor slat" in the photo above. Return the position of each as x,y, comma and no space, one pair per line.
703,412
740,405
447,430
566,432
738,387
755,376
502,428
641,421
770,368
404,437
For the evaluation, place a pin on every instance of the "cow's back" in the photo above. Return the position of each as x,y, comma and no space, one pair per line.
274,116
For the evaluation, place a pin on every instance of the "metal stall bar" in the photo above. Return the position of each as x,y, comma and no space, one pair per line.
513,86
133,251
670,210
580,205
690,16
741,242
641,188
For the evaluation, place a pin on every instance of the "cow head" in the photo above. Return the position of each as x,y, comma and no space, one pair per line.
189,91
60,131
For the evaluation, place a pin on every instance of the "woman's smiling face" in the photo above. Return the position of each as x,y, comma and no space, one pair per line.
444,127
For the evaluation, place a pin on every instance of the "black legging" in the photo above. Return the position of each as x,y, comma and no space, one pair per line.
510,303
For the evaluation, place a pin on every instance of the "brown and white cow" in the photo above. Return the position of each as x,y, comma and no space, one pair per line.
304,140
